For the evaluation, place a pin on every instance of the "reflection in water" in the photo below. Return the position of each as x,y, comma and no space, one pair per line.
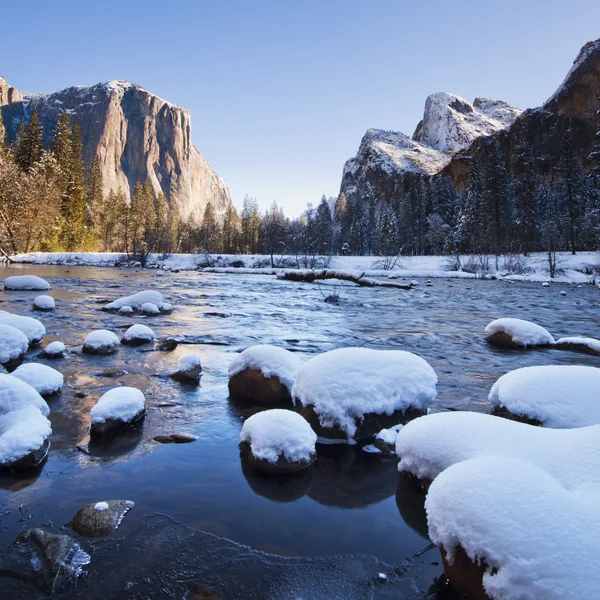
115,446
14,482
410,499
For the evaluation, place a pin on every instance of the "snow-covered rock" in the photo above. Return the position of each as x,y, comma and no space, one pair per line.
100,518
101,341
13,346
138,334
278,440
546,284
355,392
385,440
148,308
125,310
24,434
54,350
26,282
579,344
44,303
43,379
264,373
32,328
190,369
16,394
136,301
116,409
517,333
559,396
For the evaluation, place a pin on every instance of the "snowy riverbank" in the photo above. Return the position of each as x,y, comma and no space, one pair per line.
580,268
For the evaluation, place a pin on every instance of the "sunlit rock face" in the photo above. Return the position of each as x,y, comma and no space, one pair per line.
135,134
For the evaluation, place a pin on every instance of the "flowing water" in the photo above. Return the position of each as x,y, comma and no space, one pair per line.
260,532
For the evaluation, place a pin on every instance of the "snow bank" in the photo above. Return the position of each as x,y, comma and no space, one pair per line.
539,540
22,431
523,333
45,303
136,301
119,404
279,433
346,384
32,328
271,361
101,339
560,396
26,282
43,379
13,343
139,333
16,394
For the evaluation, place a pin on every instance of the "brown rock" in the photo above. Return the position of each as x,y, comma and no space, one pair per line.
465,575
92,522
113,426
283,465
251,383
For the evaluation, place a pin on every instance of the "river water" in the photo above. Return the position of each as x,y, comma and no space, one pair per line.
200,494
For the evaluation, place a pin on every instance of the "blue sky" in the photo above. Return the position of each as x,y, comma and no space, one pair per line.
281,91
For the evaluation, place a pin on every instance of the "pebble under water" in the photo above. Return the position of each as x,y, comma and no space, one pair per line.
202,518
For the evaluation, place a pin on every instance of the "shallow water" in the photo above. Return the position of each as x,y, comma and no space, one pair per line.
348,503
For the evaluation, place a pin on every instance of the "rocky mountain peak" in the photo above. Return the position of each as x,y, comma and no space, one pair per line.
8,94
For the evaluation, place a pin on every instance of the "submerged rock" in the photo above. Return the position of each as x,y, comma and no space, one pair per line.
175,438
100,518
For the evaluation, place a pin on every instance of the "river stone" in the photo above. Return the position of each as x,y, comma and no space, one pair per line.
191,375
112,373
251,383
175,438
113,426
167,345
30,461
100,518
465,575
283,465
46,560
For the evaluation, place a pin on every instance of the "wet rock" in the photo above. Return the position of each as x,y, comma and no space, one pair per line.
100,518
46,560
167,345
32,460
117,409
101,342
332,299
217,314
203,593
112,372
54,350
80,395
579,344
251,383
175,438
465,575
44,303
189,371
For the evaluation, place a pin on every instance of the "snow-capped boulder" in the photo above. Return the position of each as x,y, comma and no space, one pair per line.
150,309
278,440
190,369
13,346
100,518
559,396
24,438
101,341
117,409
264,373
43,379
54,350
355,392
44,303
32,328
137,335
579,344
385,440
136,301
26,282
125,310
16,394
517,333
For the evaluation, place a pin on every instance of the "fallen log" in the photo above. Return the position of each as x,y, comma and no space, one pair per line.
358,277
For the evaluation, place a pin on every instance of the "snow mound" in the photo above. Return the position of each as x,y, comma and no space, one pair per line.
271,361
32,328
43,379
13,343
55,348
136,301
44,303
344,385
125,310
16,394
26,282
148,308
101,338
119,404
139,332
278,432
560,396
523,333
538,539
22,431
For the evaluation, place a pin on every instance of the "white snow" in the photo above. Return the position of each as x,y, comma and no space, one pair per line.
25,282
101,338
16,394
523,333
538,536
390,435
44,303
43,379
560,396
55,348
591,343
139,332
190,361
120,404
22,430
166,307
136,301
344,385
125,310
278,432
271,361
101,506
32,328
13,343
148,308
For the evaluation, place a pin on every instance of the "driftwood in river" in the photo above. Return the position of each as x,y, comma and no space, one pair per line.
310,275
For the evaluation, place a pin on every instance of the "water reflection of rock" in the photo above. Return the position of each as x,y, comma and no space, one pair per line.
347,477
113,447
278,487
14,482
410,499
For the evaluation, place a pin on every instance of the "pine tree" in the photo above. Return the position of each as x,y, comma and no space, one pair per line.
525,215
94,199
231,230
323,227
250,225
388,233
473,225
29,145
209,230
496,198
2,134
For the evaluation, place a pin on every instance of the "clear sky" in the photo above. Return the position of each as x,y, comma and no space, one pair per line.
281,91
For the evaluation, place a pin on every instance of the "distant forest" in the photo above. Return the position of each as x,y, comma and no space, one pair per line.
51,201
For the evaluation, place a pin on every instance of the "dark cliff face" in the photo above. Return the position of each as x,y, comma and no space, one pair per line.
136,135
